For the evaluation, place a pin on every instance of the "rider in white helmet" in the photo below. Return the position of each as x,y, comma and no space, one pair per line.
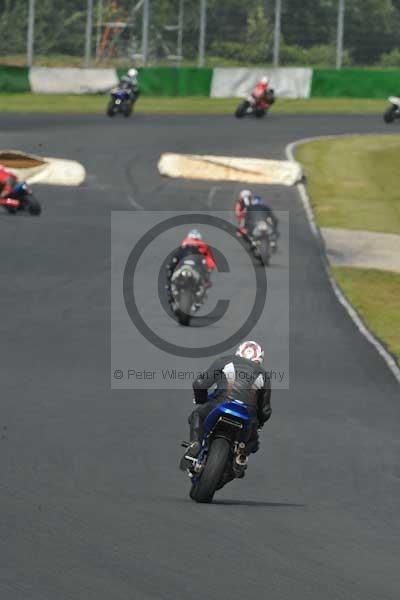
239,376
241,205
133,73
130,83
192,244
263,93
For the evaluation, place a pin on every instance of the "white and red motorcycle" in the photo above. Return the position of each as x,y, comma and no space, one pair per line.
393,111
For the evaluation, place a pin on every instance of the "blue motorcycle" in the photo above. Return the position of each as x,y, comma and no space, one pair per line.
222,457
121,101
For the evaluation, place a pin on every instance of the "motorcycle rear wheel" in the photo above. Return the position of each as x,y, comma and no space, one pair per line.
212,472
185,304
33,205
127,109
390,114
111,108
265,252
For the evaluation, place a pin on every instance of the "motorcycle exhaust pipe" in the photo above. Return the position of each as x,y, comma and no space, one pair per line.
241,458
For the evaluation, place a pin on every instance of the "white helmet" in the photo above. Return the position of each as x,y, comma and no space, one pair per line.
195,234
251,351
264,80
246,196
132,73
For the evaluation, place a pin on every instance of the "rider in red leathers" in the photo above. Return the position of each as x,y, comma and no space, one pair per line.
8,181
262,92
248,207
194,240
192,244
241,205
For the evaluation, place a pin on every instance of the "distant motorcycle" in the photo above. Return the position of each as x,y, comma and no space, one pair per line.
121,101
393,111
21,199
187,288
222,457
257,107
263,240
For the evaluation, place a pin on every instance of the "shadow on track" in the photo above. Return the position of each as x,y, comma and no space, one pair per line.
258,503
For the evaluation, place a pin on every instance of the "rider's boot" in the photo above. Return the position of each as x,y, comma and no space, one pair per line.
192,451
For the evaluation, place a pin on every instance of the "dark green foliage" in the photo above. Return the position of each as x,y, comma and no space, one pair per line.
238,31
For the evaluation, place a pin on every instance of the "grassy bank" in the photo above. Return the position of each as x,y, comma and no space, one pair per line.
353,183
376,296
87,104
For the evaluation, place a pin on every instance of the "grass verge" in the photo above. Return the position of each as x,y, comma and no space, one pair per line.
86,104
353,183
376,296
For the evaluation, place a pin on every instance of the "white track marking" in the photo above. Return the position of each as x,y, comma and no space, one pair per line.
134,203
363,329
211,195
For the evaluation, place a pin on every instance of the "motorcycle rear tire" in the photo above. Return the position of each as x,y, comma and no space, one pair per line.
265,252
33,206
260,113
185,304
212,472
127,109
390,114
111,108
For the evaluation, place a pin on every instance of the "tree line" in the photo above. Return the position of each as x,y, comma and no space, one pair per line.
238,32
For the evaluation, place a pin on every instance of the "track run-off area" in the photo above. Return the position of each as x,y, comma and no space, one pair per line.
93,505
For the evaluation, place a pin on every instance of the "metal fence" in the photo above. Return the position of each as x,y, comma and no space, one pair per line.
324,33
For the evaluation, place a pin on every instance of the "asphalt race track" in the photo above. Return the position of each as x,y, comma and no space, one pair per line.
92,503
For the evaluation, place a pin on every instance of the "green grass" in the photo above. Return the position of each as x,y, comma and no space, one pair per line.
376,296
86,104
354,182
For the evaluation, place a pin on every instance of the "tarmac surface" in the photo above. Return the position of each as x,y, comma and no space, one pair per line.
362,249
92,504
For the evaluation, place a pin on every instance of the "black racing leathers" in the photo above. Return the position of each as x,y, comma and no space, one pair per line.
234,378
131,86
185,252
258,212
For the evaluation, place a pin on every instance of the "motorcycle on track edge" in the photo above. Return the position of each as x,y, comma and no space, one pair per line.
252,106
393,111
121,101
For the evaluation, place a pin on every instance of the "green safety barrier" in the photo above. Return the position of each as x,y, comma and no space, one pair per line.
355,83
14,79
191,81
170,81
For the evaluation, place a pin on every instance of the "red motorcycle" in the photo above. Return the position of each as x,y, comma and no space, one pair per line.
21,198
255,106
